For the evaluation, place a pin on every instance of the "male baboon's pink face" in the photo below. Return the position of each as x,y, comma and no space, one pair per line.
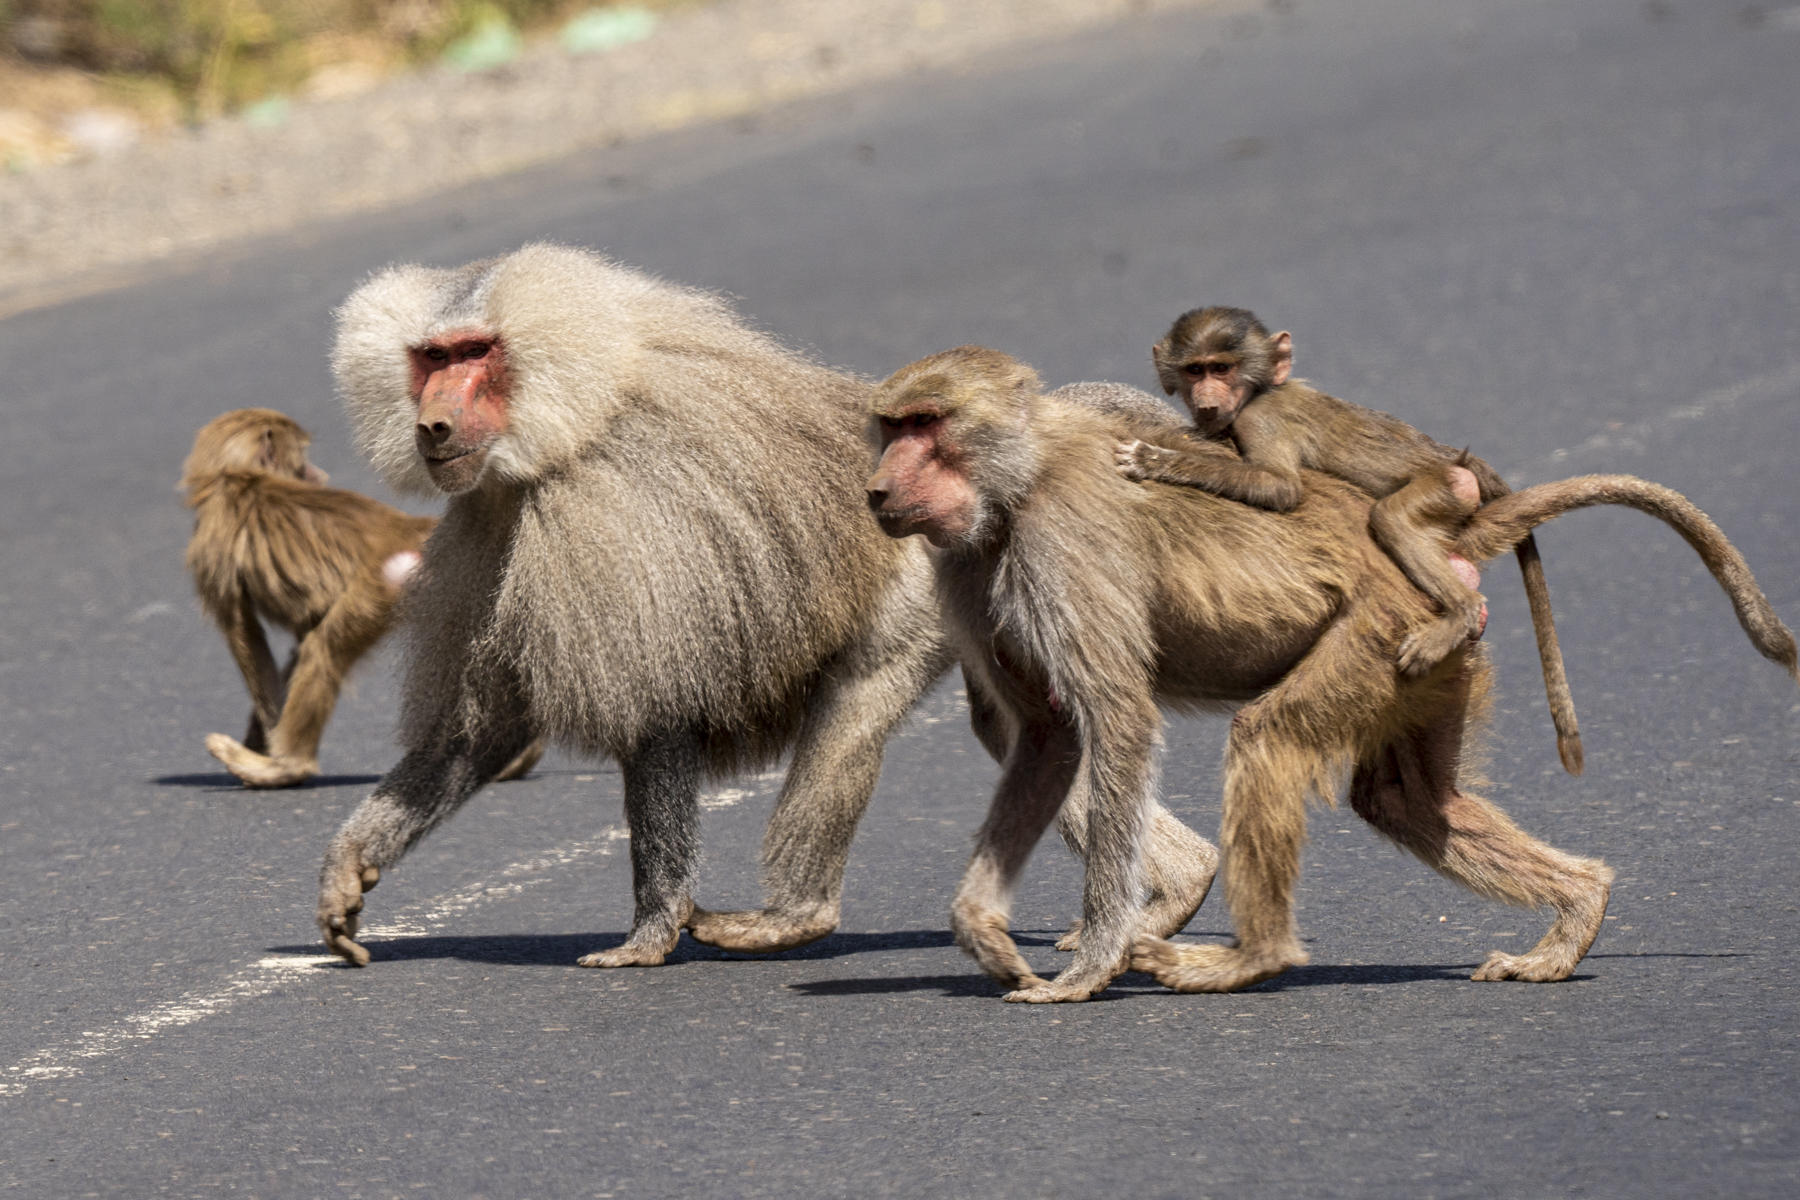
459,382
919,486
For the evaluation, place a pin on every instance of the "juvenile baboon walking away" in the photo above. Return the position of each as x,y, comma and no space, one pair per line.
655,550
1234,378
273,543
1081,602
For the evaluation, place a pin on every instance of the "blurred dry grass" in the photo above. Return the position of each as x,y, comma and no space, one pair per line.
82,75
342,128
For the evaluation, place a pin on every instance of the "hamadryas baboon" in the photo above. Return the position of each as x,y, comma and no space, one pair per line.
655,549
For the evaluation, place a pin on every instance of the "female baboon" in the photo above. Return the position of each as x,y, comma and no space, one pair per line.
271,542
1081,602
655,550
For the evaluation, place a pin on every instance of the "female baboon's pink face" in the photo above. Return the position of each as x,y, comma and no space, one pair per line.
918,486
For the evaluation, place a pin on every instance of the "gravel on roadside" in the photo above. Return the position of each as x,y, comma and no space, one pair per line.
72,228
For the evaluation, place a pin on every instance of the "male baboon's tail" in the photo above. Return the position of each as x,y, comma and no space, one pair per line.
1503,523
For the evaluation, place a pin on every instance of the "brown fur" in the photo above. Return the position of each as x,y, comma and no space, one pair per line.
1081,604
1234,377
272,544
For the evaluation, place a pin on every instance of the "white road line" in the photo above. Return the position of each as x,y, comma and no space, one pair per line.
264,976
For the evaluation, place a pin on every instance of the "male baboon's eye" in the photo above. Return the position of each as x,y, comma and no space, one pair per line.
1221,368
478,350
1195,368
437,354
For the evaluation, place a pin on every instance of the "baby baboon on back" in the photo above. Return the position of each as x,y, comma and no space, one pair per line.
1234,378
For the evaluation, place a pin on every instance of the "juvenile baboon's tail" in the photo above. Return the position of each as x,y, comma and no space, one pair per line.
1503,523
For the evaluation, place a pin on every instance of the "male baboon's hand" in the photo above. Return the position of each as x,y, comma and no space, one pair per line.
341,887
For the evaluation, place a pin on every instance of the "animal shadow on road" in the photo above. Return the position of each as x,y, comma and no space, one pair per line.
562,949
223,782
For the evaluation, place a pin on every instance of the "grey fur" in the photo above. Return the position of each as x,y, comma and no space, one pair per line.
667,560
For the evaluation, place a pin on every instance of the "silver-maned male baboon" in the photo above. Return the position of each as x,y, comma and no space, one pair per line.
655,549
1080,602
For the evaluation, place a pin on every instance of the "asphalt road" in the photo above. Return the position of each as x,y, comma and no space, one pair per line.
1564,234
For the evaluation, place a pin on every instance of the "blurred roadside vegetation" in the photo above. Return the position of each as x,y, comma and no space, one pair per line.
170,61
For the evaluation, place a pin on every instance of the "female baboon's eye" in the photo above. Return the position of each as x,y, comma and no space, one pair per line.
921,420
1195,369
1221,369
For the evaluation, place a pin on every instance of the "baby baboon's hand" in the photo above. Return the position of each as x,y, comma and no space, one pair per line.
1130,458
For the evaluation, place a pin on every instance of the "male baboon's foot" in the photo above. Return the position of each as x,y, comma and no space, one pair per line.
761,931
652,937
342,883
1208,968
1566,944
1080,982
259,770
983,934
1172,904
1178,889
521,766
644,948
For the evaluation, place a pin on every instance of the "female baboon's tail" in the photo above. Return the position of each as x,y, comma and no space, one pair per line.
1503,523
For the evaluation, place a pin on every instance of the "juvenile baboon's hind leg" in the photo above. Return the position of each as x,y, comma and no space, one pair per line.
836,764
1409,795
322,658
662,809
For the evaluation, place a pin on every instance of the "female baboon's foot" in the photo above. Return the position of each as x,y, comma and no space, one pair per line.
521,766
1071,941
762,931
342,883
1563,947
259,770
1209,968
982,933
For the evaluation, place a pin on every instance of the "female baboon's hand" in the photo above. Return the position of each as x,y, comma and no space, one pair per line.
342,883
